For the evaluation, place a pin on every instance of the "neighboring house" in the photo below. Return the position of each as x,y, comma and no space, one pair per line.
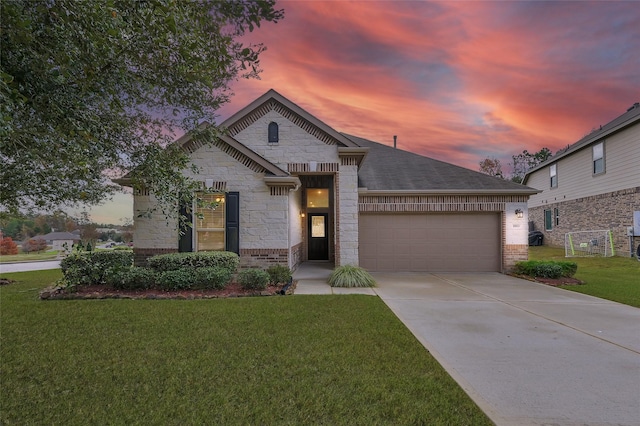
594,184
292,189
61,241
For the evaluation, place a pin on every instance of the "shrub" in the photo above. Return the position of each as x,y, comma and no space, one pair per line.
179,279
279,274
34,244
253,279
85,268
8,246
203,259
127,248
546,268
212,278
351,276
133,278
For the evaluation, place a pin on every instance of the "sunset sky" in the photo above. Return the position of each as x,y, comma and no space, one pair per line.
456,81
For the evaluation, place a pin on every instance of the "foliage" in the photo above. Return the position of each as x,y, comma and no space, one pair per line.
351,276
279,274
212,278
201,259
546,268
178,279
86,268
34,244
133,278
217,362
89,81
253,279
525,161
8,247
491,167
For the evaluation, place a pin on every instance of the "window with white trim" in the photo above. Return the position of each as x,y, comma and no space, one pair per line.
553,175
210,223
598,158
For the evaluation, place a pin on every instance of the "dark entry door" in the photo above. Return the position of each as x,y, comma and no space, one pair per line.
318,236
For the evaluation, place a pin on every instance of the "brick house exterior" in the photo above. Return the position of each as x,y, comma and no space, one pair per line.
297,190
596,185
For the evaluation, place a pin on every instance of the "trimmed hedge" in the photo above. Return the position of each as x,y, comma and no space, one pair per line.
253,279
207,259
134,278
546,268
279,274
87,268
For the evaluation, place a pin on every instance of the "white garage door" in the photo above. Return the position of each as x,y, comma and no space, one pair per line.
440,242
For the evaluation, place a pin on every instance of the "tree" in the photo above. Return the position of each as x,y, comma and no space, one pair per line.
92,89
34,244
491,167
526,161
7,246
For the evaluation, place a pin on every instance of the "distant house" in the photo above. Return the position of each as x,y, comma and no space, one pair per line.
293,189
594,184
61,241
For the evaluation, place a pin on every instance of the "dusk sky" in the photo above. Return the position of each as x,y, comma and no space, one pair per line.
456,81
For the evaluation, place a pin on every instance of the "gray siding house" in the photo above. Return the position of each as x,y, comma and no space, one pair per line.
293,189
594,184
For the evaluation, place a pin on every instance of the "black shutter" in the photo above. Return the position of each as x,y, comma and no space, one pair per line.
232,205
185,243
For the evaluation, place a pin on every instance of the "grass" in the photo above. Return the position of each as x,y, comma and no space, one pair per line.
29,257
272,360
612,278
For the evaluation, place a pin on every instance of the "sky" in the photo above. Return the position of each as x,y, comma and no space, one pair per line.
455,81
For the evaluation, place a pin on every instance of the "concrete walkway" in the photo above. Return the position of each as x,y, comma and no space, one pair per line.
527,353
312,279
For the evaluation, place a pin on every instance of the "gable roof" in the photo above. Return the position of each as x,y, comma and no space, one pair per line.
54,236
273,100
629,118
389,169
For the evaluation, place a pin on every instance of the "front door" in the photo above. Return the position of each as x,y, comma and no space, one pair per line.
318,236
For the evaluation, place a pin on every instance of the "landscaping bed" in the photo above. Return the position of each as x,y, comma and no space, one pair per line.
108,292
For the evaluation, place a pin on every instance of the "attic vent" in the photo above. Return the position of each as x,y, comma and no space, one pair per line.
273,132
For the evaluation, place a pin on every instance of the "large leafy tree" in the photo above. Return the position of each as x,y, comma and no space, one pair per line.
526,160
93,89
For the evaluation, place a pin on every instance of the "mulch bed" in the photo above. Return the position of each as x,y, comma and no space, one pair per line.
106,292
554,282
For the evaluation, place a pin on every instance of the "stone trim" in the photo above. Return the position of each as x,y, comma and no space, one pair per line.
305,168
297,252
263,258
436,203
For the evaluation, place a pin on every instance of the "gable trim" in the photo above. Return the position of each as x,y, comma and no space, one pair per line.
273,101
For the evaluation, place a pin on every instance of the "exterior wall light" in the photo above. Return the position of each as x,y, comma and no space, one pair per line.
301,214
519,214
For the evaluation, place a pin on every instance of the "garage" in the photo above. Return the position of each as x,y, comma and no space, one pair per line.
430,242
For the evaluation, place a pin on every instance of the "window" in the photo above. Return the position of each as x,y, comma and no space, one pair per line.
556,217
210,223
553,175
548,223
274,137
317,198
598,158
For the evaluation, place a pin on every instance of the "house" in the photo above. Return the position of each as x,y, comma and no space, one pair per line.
592,185
292,189
61,241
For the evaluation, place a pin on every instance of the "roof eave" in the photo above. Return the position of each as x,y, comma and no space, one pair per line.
524,191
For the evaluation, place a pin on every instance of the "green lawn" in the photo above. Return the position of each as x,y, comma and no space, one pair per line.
27,257
612,278
339,360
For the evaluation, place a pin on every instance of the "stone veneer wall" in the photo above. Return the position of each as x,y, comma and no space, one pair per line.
511,253
347,213
613,210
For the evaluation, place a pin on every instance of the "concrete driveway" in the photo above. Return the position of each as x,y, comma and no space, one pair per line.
527,353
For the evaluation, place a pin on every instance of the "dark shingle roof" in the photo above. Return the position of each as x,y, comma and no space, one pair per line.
388,169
